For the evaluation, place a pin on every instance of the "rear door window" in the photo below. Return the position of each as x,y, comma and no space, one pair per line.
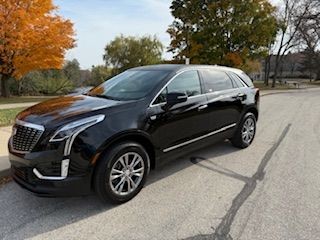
216,81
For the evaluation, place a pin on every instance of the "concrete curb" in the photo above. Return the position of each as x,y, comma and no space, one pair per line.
267,93
272,92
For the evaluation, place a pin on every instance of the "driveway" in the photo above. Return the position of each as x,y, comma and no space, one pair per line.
268,191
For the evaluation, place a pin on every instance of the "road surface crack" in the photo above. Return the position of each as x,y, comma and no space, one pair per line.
222,232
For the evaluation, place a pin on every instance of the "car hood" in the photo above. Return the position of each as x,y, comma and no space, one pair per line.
58,110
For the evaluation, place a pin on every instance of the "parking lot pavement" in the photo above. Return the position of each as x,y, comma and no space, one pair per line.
268,191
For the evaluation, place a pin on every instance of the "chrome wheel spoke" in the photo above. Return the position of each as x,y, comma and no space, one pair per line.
126,173
113,177
136,174
122,162
135,161
115,173
138,170
119,186
129,185
132,183
126,160
248,130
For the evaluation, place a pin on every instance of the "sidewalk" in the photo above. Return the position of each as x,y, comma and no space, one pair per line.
17,105
5,133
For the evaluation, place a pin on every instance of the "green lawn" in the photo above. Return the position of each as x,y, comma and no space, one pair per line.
7,116
22,99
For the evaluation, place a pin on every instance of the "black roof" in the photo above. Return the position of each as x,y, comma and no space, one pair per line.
174,68
165,67
178,67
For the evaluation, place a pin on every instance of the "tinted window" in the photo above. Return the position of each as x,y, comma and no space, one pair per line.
246,79
187,82
129,85
237,81
216,81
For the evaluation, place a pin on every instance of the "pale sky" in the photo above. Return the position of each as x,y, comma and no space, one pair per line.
99,21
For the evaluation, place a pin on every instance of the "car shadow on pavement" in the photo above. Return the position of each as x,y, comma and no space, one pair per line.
24,215
198,158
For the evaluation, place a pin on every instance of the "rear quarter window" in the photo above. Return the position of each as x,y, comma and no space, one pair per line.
238,82
246,79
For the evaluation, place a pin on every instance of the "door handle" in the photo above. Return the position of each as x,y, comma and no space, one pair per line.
241,96
202,107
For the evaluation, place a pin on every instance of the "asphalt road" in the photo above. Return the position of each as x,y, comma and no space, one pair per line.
268,191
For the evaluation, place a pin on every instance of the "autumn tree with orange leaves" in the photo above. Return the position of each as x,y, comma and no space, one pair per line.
32,37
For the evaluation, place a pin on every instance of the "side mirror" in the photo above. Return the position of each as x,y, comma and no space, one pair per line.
175,98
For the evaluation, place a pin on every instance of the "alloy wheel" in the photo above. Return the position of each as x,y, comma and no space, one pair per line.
126,173
248,130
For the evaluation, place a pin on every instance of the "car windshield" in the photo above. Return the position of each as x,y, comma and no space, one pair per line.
129,85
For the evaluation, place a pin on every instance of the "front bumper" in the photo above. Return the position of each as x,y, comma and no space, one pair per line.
22,171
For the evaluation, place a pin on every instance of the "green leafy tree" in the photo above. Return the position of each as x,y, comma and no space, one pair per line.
228,32
48,82
127,52
99,74
71,71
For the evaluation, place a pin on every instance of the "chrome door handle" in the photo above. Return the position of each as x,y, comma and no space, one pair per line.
241,96
202,107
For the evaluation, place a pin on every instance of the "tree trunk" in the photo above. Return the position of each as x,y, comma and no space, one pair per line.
267,70
318,75
4,86
19,87
276,70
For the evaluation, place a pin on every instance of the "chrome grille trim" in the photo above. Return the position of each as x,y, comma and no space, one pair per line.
30,125
64,172
25,136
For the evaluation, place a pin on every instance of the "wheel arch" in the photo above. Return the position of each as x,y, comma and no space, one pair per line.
253,110
134,136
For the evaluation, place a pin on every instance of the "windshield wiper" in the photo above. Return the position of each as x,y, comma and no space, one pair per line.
105,96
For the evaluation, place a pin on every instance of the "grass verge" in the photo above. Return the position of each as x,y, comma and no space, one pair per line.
7,116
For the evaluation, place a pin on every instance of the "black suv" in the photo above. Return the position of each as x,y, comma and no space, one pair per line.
108,139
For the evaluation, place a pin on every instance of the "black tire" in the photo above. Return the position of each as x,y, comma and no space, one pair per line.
102,185
237,140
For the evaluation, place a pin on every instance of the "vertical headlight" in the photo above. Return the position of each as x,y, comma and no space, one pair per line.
74,128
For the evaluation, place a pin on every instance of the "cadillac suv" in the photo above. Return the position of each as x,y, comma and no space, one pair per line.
108,139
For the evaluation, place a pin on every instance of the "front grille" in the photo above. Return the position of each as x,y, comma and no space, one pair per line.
25,138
